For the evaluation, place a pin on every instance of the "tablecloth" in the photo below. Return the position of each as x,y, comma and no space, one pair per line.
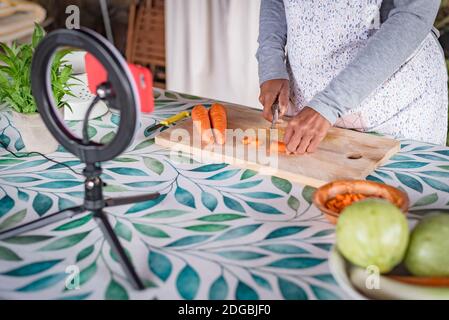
217,231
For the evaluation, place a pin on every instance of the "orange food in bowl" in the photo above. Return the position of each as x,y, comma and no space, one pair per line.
341,201
332,198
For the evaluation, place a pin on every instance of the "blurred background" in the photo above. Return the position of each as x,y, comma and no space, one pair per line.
202,47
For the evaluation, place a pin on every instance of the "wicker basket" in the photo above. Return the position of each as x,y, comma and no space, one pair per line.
146,37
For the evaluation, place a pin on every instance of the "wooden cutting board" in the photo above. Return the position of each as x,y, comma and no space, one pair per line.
344,154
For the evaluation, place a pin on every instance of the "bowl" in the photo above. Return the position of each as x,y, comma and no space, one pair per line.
353,281
366,188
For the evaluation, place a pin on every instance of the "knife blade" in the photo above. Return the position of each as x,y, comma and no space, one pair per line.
275,112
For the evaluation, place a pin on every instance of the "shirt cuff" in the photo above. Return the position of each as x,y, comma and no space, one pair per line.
325,110
271,69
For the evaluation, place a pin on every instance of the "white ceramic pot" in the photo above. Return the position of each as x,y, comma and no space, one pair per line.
35,134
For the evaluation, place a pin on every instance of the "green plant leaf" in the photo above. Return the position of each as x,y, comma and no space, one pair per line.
154,165
245,292
324,294
146,205
296,263
188,282
219,289
238,232
262,282
65,242
209,201
409,181
282,184
6,204
116,291
44,283
144,144
85,253
129,172
7,254
247,174
87,273
207,227
210,168
263,208
189,240
307,194
32,268
293,203
150,231
185,197
406,165
285,232
160,265
284,249
221,217
123,231
290,290
262,195
13,220
108,138
436,184
224,175
42,203
426,200
233,204
165,214
74,224
25,240
241,255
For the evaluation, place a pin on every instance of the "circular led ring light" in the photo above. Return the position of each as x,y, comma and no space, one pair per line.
125,97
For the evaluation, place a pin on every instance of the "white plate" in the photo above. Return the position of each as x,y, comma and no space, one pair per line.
339,269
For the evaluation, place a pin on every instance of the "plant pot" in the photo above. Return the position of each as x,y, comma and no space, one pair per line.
35,134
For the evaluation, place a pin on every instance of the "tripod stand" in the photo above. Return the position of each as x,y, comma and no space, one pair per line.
95,202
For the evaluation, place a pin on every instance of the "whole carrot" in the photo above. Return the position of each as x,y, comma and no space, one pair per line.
219,121
201,123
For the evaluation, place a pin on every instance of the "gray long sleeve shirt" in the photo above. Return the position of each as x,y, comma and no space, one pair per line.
405,25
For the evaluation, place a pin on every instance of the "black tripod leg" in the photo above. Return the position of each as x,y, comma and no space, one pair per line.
45,221
114,202
116,246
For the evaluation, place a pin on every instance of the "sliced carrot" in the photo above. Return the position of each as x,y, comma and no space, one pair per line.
201,122
246,141
278,146
219,122
251,140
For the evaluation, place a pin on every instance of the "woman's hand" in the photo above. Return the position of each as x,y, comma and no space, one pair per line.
269,91
306,131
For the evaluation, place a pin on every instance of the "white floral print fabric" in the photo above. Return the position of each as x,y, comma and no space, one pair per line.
325,36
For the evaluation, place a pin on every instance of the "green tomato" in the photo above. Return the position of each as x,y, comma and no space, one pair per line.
428,252
373,232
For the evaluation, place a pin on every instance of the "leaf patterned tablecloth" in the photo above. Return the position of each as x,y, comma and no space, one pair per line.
217,232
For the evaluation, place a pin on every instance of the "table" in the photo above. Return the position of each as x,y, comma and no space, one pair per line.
217,232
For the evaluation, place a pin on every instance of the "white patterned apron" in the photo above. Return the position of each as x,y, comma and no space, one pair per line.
324,36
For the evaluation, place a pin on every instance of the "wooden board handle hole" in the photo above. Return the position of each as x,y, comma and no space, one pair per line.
354,156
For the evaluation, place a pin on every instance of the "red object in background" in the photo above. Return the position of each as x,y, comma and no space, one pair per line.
96,75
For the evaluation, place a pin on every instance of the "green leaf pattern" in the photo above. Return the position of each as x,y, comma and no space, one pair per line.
217,232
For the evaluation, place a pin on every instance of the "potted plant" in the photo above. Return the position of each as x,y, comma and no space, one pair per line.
15,91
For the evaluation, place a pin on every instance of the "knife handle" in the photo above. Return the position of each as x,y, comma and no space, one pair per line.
175,118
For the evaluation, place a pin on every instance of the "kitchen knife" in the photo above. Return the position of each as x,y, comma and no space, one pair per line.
167,122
